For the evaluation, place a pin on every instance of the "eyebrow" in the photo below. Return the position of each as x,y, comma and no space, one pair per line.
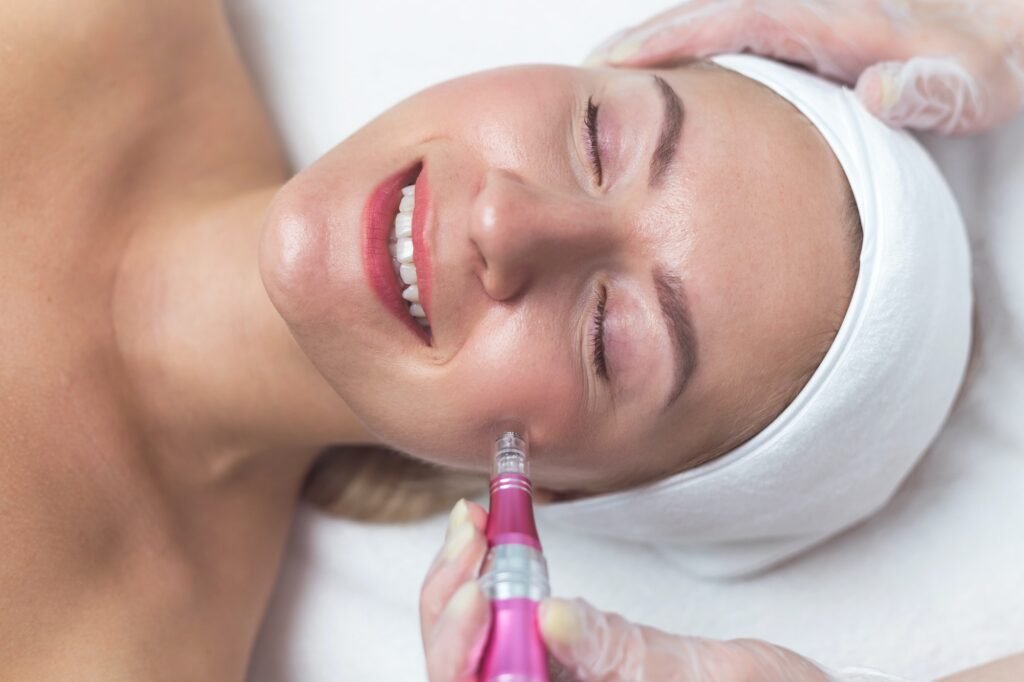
671,127
676,311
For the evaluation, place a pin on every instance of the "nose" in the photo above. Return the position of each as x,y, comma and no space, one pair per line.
525,232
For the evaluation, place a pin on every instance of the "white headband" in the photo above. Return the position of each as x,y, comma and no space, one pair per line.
840,450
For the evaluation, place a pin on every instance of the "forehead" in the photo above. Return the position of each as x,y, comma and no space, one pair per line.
753,181
755,201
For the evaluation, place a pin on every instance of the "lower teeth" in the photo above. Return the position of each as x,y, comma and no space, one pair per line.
421,320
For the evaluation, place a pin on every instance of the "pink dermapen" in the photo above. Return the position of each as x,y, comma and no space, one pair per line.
515,574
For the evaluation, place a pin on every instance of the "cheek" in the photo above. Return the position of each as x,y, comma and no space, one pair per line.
502,115
517,375
504,372
516,369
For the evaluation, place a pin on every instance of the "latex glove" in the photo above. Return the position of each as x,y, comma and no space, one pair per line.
454,612
596,646
952,66
587,645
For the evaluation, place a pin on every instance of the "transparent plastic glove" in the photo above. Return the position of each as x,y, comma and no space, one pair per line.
454,613
596,646
950,66
587,645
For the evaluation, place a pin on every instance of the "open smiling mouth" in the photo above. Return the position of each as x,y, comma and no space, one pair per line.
401,248
394,250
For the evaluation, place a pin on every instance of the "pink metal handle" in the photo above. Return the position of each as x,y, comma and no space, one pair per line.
518,659
511,516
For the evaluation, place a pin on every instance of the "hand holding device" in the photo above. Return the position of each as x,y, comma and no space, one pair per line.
500,627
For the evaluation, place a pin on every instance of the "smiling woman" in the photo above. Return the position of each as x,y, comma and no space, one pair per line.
643,266
586,275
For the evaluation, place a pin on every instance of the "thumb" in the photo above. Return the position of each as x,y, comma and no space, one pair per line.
594,645
599,56
926,93
591,644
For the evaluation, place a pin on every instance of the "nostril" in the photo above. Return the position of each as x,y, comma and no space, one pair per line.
504,284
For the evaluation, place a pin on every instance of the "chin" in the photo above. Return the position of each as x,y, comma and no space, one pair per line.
296,256
339,326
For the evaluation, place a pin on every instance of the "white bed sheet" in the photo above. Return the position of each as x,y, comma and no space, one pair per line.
933,584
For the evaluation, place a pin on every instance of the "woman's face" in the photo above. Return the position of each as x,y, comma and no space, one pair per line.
635,265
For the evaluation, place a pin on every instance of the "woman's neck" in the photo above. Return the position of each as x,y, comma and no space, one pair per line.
217,381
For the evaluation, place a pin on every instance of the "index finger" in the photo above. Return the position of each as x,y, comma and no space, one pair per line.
457,562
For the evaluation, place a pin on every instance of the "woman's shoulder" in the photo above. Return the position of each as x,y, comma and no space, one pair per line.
114,80
116,108
70,49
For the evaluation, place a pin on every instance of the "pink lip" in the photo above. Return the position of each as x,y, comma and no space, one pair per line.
378,217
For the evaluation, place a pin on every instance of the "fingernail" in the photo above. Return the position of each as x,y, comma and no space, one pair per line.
624,50
889,88
596,58
458,516
463,600
889,93
457,540
559,620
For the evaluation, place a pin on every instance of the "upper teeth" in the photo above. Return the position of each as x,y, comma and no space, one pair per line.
401,249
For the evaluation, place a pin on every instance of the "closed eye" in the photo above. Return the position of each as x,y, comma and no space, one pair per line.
597,333
593,150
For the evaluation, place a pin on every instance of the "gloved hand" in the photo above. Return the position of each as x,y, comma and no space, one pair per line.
454,612
951,66
587,645
605,647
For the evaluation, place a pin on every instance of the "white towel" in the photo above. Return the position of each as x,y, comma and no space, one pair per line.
839,451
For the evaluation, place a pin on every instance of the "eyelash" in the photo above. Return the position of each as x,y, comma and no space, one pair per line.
597,334
590,121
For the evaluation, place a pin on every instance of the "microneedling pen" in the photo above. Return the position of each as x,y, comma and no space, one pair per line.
515,573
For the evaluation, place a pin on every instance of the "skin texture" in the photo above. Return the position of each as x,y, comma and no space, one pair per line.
749,218
158,413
